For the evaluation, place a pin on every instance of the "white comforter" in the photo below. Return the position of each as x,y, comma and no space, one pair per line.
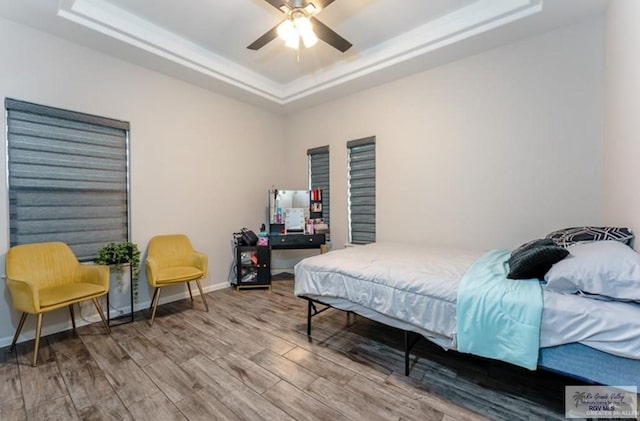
415,287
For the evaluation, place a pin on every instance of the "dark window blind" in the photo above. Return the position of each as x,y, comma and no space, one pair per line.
67,178
319,179
362,190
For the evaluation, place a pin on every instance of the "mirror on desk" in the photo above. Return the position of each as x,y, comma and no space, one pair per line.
289,208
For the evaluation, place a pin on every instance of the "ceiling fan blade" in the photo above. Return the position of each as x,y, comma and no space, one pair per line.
329,36
269,36
321,4
278,4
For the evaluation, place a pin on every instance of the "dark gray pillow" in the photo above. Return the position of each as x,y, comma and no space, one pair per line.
534,258
569,236
533,243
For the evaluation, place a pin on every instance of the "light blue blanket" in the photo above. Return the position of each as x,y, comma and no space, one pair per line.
498,317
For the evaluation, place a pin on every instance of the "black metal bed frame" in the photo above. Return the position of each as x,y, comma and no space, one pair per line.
409,342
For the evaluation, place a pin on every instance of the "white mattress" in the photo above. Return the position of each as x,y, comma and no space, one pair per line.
415,288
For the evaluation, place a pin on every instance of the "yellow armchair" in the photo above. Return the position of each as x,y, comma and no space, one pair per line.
171,260
43,277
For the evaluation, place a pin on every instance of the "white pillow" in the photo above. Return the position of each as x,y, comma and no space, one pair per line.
608,268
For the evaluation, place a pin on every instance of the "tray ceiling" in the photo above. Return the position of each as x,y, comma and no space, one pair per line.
204,41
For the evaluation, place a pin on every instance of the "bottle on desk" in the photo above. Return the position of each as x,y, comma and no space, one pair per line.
310,227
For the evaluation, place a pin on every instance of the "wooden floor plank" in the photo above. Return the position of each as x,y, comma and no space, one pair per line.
301,405
355,406
285,369
108,409
10,385
130,382
395,405
155,407
171,379
173,347
105,350
13,410
320,365
142,350
203,406
400,384
248,372
54,410
241,400
201,340
86,383
41,383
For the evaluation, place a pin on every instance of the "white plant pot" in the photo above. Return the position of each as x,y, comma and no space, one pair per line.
120,290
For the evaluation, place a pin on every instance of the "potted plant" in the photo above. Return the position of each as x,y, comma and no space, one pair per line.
117,255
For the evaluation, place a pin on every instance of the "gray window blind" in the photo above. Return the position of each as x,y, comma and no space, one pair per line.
362,190
67,178
319,179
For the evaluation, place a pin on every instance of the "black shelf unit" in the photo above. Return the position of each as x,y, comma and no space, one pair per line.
253,267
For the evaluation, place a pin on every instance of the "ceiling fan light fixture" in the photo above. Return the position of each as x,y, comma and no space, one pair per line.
299,25
302,23
293,42
295,27
310,39
286,30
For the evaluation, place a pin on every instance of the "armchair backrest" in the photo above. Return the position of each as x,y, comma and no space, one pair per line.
44,264
171,250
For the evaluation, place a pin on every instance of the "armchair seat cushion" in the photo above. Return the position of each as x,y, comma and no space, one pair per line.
69,293
175,274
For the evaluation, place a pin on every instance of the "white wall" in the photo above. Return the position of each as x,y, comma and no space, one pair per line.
488,151
185,146
621,201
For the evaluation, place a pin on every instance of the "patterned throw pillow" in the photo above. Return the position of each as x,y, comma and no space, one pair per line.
568,236
533,259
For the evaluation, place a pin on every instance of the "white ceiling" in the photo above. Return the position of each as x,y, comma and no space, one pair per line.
204,41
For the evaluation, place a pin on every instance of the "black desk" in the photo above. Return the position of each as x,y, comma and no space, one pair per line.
296,241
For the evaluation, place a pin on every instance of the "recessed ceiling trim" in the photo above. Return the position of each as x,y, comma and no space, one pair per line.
476,18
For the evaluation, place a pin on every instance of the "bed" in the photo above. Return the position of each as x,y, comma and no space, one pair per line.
415,288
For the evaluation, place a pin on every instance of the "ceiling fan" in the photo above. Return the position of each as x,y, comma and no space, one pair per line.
300,24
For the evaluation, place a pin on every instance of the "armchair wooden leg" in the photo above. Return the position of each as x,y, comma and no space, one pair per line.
18,330
204,299
73,318
155,292
154,304
38,331
190,294
101,313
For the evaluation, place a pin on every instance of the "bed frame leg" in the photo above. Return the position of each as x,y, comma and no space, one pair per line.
309,307
406,353
408,346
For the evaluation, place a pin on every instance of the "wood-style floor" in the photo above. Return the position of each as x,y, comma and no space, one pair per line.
248,358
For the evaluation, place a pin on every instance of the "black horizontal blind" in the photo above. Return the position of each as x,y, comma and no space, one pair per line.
319,179
67,178
362,190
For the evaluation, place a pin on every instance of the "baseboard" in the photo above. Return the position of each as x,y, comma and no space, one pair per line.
48,329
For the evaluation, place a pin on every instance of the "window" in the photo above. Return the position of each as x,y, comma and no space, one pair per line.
67,178
319,179
362,190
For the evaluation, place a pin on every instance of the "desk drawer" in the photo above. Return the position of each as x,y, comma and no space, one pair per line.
295,241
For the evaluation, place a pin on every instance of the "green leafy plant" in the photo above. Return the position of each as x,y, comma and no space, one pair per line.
119,254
